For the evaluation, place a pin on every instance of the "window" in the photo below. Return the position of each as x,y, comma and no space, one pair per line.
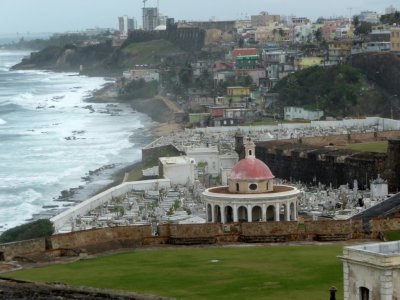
250,152
253,187
237,187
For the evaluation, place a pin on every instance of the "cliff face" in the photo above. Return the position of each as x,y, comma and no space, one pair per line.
68,58
100,59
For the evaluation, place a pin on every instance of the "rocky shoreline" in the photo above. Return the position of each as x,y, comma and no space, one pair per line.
154,108
164,123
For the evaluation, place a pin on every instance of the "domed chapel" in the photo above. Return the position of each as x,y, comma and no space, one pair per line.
251,195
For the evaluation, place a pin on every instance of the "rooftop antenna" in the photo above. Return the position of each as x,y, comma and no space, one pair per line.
144,3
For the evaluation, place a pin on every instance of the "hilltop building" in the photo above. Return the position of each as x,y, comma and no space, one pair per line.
126,24
395,39
251,194
150,18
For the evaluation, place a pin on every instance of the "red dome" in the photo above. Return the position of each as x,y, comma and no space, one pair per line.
250,169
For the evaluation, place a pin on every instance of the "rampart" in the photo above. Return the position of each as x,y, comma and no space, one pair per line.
321,159
150,152
104,239
188,39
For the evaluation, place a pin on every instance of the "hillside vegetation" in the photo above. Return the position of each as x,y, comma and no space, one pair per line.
339,91
33,230
101,59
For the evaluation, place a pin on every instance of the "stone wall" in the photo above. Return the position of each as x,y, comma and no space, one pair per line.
95,239
23,248
104,239
313,160
160,151
188,39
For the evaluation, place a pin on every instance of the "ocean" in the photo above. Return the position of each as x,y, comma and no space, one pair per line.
50,139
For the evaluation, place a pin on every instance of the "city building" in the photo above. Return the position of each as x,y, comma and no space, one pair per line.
371,271
395,39
251,195
126,24
150,18
145,74
264,19
293,112
369,17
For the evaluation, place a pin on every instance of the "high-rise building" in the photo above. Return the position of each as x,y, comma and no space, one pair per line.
126,24
150,18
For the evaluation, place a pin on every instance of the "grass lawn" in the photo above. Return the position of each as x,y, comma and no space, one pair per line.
264,272
380,147
392,235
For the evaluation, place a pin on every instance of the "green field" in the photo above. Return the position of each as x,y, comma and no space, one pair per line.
263,272
380,147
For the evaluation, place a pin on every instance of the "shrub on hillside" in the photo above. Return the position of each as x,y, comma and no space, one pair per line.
37,229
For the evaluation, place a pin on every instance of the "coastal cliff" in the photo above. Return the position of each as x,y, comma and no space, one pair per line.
102,59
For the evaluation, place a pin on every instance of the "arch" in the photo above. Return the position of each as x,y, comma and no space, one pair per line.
242,214
292,212
209,213
217,214
271,213
228,214
256,214
283,212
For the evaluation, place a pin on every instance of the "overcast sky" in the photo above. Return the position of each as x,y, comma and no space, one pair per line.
34,16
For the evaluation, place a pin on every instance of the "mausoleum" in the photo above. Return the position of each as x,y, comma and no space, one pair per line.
251,194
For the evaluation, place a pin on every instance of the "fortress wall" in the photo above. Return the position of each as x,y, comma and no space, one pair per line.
195,230
82,239
269,228
379,225
22,248
327,227
289,160
104,239
159,151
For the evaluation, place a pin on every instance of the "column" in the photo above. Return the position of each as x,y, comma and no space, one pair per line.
386,281
287,212
346,280
264,212
295,210
277,208
249,213
223,219
235,214
212,212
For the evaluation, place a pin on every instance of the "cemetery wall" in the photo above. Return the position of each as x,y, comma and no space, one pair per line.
104,239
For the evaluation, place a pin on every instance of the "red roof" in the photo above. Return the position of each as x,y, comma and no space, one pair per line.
250,169
244,52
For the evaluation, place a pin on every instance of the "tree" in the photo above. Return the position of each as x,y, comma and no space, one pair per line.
318,35
356,21
363,28
241,42
391,18
33,230
186,75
